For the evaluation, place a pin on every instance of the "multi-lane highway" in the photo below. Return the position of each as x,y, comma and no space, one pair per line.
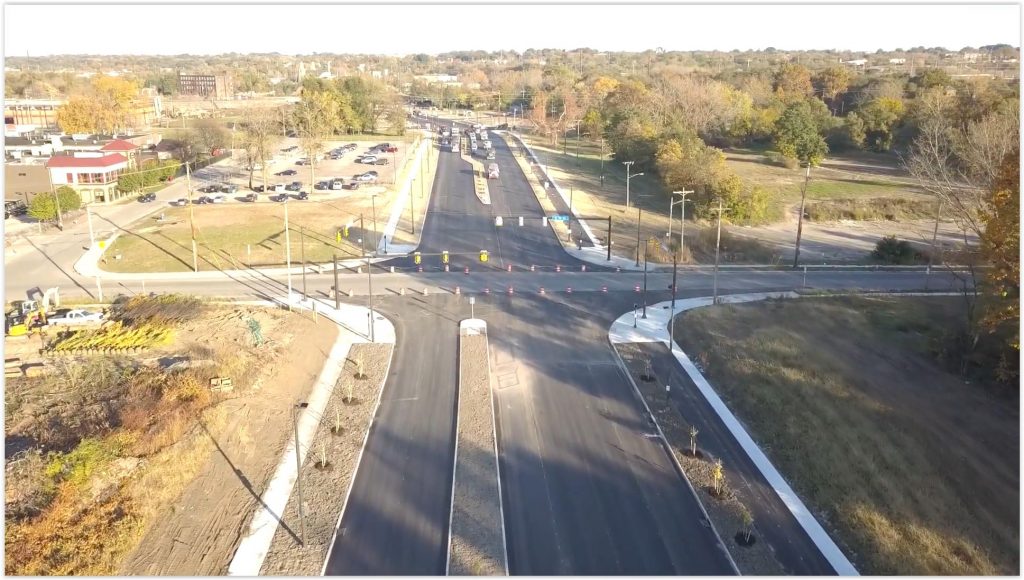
586,488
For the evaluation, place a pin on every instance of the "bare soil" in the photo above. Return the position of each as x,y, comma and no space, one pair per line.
326,484
477,541
917,471
198,533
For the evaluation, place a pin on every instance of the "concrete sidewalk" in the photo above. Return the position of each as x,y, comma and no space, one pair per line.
630,328
355,329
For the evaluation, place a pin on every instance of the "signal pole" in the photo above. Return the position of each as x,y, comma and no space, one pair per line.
718,243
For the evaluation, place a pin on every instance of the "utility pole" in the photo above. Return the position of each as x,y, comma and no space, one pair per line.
191,217
672,316
935,238
373,208
578,142
369,295
639,216
800,218
298,471
88,216
288,252
362,237
337,291
608,242
718,242
682,216
302,256
602,162
645,282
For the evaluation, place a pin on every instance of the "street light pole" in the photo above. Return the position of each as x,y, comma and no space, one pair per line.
373,208
302,257
628,165
671,317
578,142
645,282
288,252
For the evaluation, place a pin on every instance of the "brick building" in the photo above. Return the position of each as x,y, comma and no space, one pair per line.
202,85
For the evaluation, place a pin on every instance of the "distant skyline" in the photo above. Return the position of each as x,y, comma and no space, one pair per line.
148,29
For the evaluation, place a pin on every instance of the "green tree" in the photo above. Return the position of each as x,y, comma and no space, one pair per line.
873,123
316,117
798,136
833,82
1000,245
44,208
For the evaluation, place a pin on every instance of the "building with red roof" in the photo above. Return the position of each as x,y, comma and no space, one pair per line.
92,174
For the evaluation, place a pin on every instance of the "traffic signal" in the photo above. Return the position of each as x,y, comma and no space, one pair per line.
444,257
483,255
337,236
346,232
416,258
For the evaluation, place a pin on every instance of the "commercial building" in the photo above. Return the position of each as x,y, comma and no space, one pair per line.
92,174
204,85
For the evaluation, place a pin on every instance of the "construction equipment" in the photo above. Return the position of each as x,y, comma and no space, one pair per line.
25,315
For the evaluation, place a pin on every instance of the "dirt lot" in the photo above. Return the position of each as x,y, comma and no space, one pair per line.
917,471
142,469
236,234
330,465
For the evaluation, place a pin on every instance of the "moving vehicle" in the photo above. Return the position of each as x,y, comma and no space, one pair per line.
490,154
77,316
492,171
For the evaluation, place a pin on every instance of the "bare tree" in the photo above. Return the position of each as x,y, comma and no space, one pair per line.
259,140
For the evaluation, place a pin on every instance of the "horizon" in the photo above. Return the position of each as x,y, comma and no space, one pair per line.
789,28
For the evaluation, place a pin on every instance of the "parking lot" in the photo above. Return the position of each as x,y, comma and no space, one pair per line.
327,169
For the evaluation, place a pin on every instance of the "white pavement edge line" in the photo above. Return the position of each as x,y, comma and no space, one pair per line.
675,461
359,460
497,460
828,548
403,194
455,459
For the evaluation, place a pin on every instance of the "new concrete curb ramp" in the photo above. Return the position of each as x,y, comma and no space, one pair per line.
655,329
252,550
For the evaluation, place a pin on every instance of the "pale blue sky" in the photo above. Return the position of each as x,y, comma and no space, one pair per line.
410,29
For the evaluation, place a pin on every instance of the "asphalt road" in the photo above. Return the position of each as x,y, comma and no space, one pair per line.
396,518
588,488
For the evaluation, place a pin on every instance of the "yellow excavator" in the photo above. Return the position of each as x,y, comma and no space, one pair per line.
26,315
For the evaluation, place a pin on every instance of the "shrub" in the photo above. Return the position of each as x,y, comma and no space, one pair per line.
890,250
167,309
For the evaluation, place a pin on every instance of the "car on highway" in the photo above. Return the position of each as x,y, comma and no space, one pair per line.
76,316
490,154
293,186
147,197
288,171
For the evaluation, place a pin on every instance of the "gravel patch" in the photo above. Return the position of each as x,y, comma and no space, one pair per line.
477,542
325,487
725,511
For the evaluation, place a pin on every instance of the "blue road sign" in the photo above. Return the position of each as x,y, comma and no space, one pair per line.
559,218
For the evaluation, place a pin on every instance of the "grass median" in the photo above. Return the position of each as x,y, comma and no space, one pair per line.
916,471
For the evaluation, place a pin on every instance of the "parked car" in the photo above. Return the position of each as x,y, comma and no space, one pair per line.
390,149
337,184
147,197
381,161
364,177
302,162
303,195
280,197
352,185
351,146
293,186
202,200
252,197
219,198
229,188
209,189
289,171
180,201
278,188
323,185
77,316
258,188
367,159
